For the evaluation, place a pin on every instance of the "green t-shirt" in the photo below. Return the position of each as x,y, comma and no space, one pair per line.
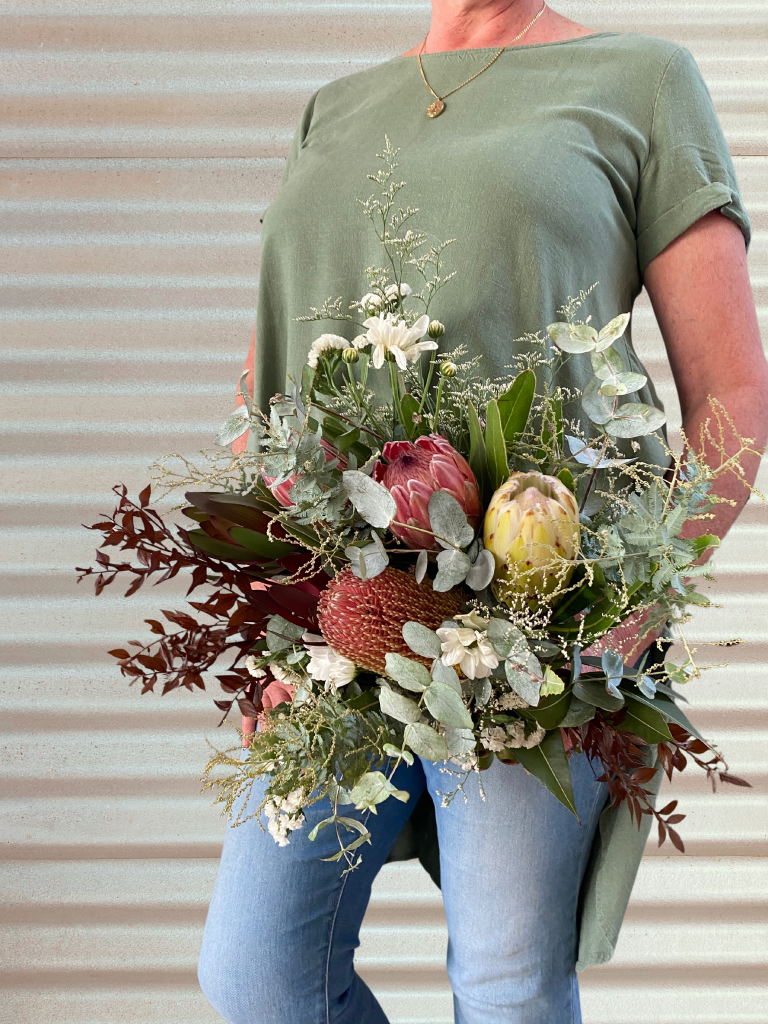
562,165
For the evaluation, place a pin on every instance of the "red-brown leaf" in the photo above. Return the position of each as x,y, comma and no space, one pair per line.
662,833
152,662
675,819
677,842
156,627
735,780
223,705
247,708
119,653
669,808
144,496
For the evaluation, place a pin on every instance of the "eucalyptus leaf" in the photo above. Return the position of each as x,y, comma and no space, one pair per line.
282,634
461,742
522,684
452,569
481,573
507,639
421,566
422,640
606,365
411,675
483,691
445,705
634,419
447,674
598,407
448,520
612,331
570,338
368,561
233,427
373,788
424,741
401,708
395,753
591,456
374,502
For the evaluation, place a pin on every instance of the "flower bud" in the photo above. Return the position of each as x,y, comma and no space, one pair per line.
436,329
350,355
448,369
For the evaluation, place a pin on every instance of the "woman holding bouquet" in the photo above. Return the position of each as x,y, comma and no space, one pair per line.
558,157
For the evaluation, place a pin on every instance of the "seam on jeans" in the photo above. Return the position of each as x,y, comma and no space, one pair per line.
330,935
582,867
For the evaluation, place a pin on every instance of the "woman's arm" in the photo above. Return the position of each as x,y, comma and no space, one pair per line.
701,295
700,291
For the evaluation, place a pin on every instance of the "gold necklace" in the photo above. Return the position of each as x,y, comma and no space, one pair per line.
436,108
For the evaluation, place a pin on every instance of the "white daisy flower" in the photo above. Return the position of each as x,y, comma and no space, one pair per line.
391,291
371,301
387,333
468,648
329,667
325,343
253,670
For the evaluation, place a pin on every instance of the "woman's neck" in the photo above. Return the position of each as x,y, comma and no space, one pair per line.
473,24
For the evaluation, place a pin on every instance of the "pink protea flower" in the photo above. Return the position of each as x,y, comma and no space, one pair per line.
415,470
364,619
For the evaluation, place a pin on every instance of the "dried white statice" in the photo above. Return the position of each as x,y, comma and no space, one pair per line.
284,816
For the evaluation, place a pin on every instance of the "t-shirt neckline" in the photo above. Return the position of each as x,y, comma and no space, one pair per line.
510,49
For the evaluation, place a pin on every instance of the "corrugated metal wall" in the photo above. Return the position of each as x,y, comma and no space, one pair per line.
140,142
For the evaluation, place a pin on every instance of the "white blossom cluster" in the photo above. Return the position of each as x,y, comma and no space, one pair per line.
496,737
284,816
325,343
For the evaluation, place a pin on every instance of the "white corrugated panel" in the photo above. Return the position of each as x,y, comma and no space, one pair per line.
139,145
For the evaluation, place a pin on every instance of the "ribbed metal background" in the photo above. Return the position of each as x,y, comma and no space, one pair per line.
139,145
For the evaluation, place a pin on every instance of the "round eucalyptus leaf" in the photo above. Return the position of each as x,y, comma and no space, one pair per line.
422,640
452,569
635,419
449,521
374,502
233,427
612,332
598,407
445,705
424,741
574,338
481,573
607,364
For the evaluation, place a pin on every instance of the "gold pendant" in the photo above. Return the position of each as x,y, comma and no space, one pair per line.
435,109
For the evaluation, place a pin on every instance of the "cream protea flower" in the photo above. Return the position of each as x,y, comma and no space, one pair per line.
468,649
532,531
364,619
325,343
388,334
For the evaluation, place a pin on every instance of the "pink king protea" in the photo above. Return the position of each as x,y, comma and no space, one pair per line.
364,619
415,470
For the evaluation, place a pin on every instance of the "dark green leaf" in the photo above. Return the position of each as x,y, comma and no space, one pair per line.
551,710
478,458
549,764
515,405
495,446
596,694
645,722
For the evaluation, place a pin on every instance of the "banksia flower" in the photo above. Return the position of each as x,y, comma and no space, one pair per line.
532,530
364,619
415,471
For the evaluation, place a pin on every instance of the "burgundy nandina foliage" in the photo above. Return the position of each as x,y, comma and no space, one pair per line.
415,470
230,621
364,619
620,755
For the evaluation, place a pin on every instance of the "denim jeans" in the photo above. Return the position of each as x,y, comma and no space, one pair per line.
283,925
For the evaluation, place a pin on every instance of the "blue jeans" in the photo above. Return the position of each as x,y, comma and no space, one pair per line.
283,925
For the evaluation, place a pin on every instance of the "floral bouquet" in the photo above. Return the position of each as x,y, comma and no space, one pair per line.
412,559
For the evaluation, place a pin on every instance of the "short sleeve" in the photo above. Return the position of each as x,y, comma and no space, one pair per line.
689,171
300,134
